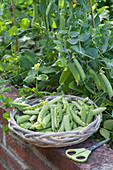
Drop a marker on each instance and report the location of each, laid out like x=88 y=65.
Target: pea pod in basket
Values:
x=49 y=129
x=61 y=114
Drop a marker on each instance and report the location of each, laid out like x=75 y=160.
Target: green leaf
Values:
x=2 y=81
x=24 y=62
x=25 y=23
x=108 y=124
x=6 y=115
x=105 y=45
x=42 y=77
x=73 y=41
x=6 y=128
x=13 y=30
x=78 y=49
x=32 y=72
x=74 y=33
x=8 y=99
x=105 y=133
x=92 y=52
x=73 y=86
x=63 y=60
x=7 y=89
x=2 y=26
x=46 y=70
x=29 y=79
x=84 y=36
x=28 y=59
x=97 y=21
x=2 y=97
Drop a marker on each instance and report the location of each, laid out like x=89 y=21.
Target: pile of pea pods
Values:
x=57 y=115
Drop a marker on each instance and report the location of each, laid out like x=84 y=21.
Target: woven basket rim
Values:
x=52 y=139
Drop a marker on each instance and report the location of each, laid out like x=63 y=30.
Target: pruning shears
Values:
x=81 y=154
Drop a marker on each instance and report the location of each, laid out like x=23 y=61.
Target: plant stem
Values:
x=92 y=15
x=13 y=8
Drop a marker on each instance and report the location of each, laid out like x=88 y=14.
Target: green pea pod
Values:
x=80 y=69
x=107 y=84
x=56 y=99
x=19 y=104
x=74 y=71
x=46 y=120
x=95 y=78
x=74 y=125
x=17 y=116
x=59 y=109
x=77 y=118
x=32 y=118
x=36 y=125
x=64 y=76
x=89 y=116
x=67 y=125
x=26 y=125
x=35 y=11
x=31 y=112
x=61 y=129
x=37 y=106
x=78 y=128
x=23 y=118
x=99 y=110
x=83 y=113
x=68 y=113
x=49 y=8
x=65 y=103
x=56 y=117
x=52 y=119
x=76 y=104
x=42 y=112
x=85 y=100
x=82 y=103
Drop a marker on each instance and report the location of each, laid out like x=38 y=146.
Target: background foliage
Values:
x=51 y=34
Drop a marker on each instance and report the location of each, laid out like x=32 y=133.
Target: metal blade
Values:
x=98 y=144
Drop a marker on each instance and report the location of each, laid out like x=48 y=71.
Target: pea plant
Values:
x=59 y=46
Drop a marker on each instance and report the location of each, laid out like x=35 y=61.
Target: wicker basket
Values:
x=55 y=139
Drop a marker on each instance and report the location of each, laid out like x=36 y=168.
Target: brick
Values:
x=0 y=134
x=26 y=154
x=2 y=120
x=99 y=157
x=58 y=158
x=12 y=164
x=2 y=166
